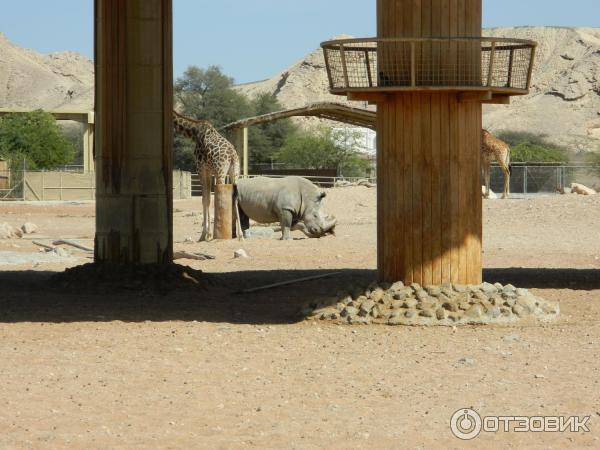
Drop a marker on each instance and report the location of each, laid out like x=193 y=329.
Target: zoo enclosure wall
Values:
x=67 y=185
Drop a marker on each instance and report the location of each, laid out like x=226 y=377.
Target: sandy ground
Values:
x=209 y=368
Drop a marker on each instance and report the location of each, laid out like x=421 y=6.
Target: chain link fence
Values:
x=11 y=185
x=544 y=178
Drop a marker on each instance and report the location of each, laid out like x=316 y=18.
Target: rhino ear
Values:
x=322 y=195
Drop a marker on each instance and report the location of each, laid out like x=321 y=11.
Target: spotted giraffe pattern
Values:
x=214 y=155
x=496 y=149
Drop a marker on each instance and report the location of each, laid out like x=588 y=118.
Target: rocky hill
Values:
x=564 y=102
x=60 y=81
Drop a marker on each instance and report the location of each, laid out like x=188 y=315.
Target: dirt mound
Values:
x=118 y=277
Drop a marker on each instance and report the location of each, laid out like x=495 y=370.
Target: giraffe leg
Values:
x=506 y=173
x=486 y=179
x=206 y=233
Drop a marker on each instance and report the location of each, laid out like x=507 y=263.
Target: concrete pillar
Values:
x=88 y=147
x=429 y=194
x=134 y=198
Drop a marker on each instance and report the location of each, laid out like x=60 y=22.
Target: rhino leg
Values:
x=243 y=221
x=286 y=224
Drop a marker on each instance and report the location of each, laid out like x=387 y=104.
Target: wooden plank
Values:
x=464 y=155
x=392 y=250
x=417 y=197
x=400 y=206
x=406 y=180
x=436 y=189
x=426 y=178
x=407 y=22
x=384 y=196
x=381 y=174
x=475 y=96
x=477 y=223
x=445 y=194
x=372 y=97
x=498 y=100
x=455 y=241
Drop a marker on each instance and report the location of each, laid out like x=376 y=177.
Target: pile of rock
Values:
x=7 y=231
x=448 y=304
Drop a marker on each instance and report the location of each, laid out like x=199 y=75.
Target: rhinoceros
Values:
x=293 y=201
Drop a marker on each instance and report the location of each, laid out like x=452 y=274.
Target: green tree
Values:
x=531 y=147
x=267 y=138
x=325 y=148
x=206 y=94
x=35 y=138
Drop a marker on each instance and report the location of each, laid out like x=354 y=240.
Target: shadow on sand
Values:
x=577 y=279
x=32 y=296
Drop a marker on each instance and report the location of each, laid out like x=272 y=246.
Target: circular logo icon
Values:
x=465 y=424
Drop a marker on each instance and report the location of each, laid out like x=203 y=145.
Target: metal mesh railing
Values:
x=544 y=178
x=496 y=64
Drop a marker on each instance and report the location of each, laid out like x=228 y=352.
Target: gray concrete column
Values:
x=133 y=136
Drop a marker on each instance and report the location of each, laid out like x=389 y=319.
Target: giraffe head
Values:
x=190 y=128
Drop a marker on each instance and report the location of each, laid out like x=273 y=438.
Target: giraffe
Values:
x=215 y=156
x=494 y=148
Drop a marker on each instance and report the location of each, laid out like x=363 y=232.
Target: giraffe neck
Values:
x=194 y=129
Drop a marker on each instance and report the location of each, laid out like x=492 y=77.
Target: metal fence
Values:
x=544 y=178
x=11 y=185
x=322 y=181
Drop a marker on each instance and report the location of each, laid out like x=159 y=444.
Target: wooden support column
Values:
x=245 y=153
x=428 y=161
x=223 y=211
x=240 y=138
x=134 y=103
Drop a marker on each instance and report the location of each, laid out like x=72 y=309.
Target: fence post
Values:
x=524 y=179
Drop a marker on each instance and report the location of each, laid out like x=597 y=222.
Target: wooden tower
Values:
x=428 y=71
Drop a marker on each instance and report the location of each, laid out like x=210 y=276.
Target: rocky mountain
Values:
x=564 y=102
x=59 y=81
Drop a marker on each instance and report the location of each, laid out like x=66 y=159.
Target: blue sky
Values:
x=255 y=39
